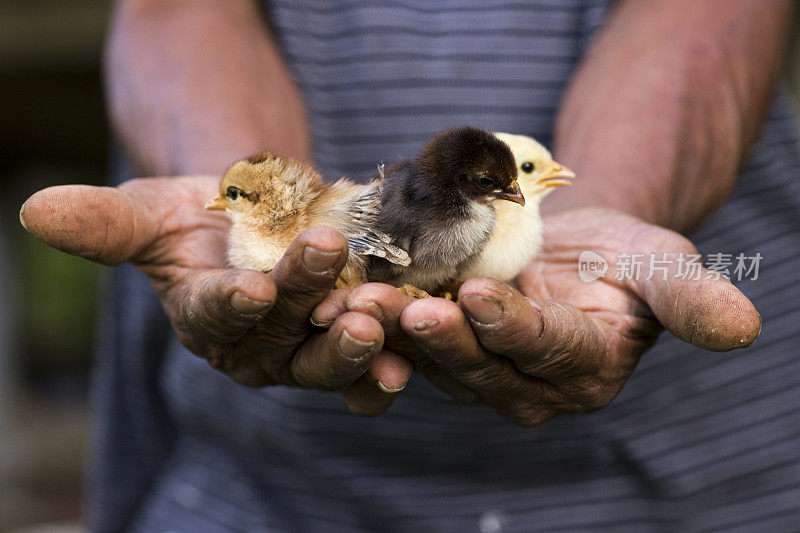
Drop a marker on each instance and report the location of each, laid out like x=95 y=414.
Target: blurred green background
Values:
x=53 y=131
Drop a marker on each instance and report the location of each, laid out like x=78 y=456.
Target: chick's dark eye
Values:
x=233 y=193
x=486 y=183
x=527 y=167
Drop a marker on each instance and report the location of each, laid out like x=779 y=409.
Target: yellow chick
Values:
x=271 y=198
x=517 y=235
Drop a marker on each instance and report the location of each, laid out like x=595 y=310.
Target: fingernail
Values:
x=320 y=323
x=22 y=216
x=483 y=310
x=318 y=261
x=353 y=348
x=389 y=390
x=247 y=306
x=425 y=324
x=371 y=308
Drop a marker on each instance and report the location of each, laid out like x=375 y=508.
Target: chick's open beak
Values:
x=512 y=193
x=557 y=176
x=218 y=203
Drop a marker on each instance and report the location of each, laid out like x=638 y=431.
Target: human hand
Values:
x=556 y=344
x=252 y=326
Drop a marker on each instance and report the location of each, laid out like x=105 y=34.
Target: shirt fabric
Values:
x=696 y=441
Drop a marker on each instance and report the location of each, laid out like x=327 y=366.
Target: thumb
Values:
x=710 y=313
x=102 y=224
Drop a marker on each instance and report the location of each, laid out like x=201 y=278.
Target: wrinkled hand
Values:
x=556 y=344
x=252 y=326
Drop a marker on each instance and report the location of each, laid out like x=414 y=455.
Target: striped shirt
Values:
x=697 y=441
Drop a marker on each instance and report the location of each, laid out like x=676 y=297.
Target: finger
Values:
x=547 y=339
x=219 y=306
x=304 y=277
x=440 y=329
x=375 y=392
x=237 y=364
x=330 y=308
x=339 y=356
x=390 y=371
x=102 y=224
x=710 y=313
x=385 y=304
x=363 y=398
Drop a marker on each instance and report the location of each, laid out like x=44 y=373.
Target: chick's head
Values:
x=267 y=185
x=473 y=162
x=538 y=173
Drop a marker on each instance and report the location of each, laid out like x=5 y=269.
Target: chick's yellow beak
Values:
x=512 y=194
x=218 y=203
x=556 y=176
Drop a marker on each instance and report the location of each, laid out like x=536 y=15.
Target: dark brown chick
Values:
x=438 y=206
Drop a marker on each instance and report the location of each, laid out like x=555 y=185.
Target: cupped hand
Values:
x=252 y=326
x=553 y=343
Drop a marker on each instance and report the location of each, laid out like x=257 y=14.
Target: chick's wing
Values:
x=363 y=236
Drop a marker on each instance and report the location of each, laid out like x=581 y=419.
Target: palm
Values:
x=610 y=303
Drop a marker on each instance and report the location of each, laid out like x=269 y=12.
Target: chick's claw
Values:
x=414 y=292
x=450 y=291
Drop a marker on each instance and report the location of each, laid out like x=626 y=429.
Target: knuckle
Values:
x=299 y=299
x=196 y=318
x=593 y=403
x=548 y=364
x=481 y=374
x=594 y=395
x=528 y=415
x=329 y=373
x=513 y=337
x=569 y=355
x=307 y=374
x=226 y=361
x=282 y=330
x=244 y=371
x=249 y=376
